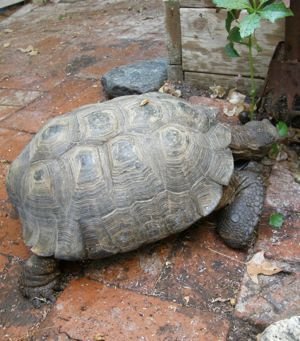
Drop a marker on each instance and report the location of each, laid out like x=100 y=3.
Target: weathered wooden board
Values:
x=205 y=80
x=6 y=3
x=175 y=72
x=203 y=38
x=173 y=31
x=196 y=3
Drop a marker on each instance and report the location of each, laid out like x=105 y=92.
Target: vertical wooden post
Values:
x=173 y=35
x=292 y=33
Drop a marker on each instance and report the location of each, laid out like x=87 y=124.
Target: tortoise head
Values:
x=253 y=140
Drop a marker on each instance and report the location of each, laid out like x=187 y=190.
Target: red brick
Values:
x=11 y=240
x=25 y=120
x=4 y=166
x=6 y=110
x=14 y=97
x=87 y=310
x=31 y=81
x=121 y=55
x=17 y=316
x=12 y=143
x=274 y=298
x=202 y=271
x=67 y=96
x=139 y=270
x=281 y=244
x=3 y=262
x=283 y=192
x=91 y=94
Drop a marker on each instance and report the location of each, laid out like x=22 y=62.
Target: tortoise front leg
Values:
x=237 y=221
x=39 y=278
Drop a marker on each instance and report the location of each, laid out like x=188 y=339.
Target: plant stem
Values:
x=253 y=83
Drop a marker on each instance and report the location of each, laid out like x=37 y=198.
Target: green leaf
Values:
x=275 y=150
x=234 y=35
x=263 y=2
x=232 y=4
x=249 y=24
x=275 y=11
x=229 y=19
x=231 y=51
x=282 y=129
x=276 y=220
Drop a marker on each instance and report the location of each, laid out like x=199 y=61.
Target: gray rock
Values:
x=137 y=78
x=284 y=330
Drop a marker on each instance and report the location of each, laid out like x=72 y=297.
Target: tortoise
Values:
x=112 y=176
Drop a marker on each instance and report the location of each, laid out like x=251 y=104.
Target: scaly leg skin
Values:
x=40 y=277
x=237 y=221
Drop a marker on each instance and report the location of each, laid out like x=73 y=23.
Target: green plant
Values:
x=276 y=148
x=282 y=129
x=241 y=29
x=276 y=220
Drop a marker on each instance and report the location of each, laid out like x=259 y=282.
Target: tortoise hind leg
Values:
x=237 y=221
x=39 y=278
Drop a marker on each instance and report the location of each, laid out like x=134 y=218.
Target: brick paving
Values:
x=276 y=297
x=187 y=287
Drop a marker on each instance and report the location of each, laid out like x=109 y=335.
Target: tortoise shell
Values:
x=109 y=177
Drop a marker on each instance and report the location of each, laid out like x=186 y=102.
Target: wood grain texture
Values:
x=205 y=80
x=173 y=31
x=204 y=38
x=196 y=3
x=175 y=72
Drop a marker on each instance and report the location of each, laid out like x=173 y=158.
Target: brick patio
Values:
x=187 y=287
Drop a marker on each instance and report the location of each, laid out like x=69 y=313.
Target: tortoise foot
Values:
x=39 y=280
x=237 y=221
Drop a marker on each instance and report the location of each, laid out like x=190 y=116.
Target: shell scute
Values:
x=54 y=139
x=99 y=123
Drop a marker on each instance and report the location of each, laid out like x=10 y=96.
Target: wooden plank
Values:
x=6 y=3
x=175 y=73
x=196 y=3
x=204 y=37
x=173 y=31
x=205 y=80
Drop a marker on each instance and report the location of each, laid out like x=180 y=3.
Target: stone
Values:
x=137 y=78
x=284 y=330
